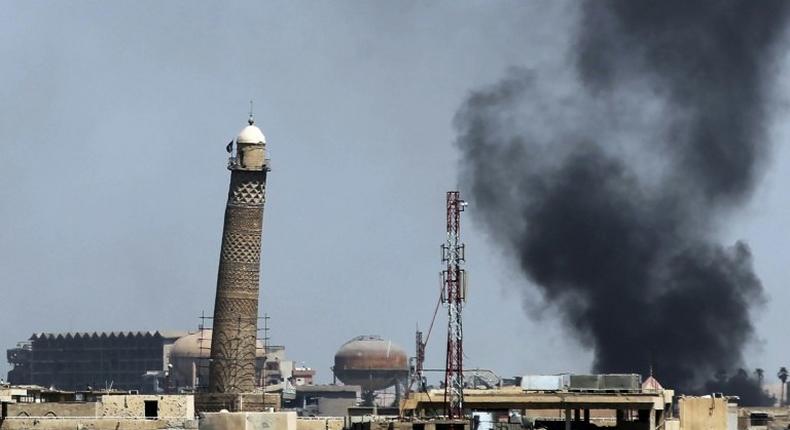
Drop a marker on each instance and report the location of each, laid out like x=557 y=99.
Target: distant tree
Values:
x=760 y=374
x=782 y=375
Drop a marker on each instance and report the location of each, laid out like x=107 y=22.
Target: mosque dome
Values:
x=192 y=352
x=195 y=345
x=251 y=134
x=198 y=345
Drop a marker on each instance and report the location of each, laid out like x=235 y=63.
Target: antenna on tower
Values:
x=453 y=280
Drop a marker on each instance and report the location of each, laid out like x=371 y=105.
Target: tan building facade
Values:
x=111 y=412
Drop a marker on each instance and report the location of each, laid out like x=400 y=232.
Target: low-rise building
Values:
x=325 y=400
x=302 y=376
x=83 y=361
x=25 y=407
x=146 y=362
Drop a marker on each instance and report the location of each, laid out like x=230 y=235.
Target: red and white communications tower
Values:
x=453 y=280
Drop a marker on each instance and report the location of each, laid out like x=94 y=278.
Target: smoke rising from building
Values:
x=610 y=189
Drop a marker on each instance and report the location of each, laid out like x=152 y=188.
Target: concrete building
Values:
x=279 y=368
x=302 y=376
x=26 y=407
x=553 y=410
x=76 y=361
x=325 y=400
x=557 y=402
x=705 y=413
x=267 y=420
x=763 y=418
x=147 y=362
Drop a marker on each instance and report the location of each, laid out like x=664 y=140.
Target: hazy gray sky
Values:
x=113 y=123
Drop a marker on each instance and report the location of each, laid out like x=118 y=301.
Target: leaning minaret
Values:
x=235 y=324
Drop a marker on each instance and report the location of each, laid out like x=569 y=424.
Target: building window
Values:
x=151 y=409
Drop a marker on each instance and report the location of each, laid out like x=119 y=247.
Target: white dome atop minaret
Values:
x=251 y=134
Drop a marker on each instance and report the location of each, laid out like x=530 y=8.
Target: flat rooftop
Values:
x=516 y=398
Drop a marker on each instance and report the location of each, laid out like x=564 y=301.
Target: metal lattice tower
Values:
x=453 y=280
x=419 y=361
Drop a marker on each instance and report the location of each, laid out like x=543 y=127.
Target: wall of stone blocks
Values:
x=703 y=413
x=328 y=407
x=318 y=423
x=248 y=421
x=77 y=409
x=94 y=424
x=170 y=406
x=112 y=413
x=235 y=402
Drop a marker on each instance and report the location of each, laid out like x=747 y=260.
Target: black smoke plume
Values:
x=609 y=186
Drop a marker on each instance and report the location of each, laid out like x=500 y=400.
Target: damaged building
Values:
x=139 y=361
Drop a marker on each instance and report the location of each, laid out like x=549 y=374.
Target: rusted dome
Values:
x=371 y=362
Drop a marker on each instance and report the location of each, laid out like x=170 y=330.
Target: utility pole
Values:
x=453 y=280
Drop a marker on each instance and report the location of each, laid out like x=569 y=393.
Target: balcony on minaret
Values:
x=252 y=159
x=250 y=150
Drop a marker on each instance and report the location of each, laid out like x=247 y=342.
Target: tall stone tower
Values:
x=235 y=324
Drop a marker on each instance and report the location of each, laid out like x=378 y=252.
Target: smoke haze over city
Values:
x=616 y=166
x=611 y=195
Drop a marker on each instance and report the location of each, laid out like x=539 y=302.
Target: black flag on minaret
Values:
x=229 y=148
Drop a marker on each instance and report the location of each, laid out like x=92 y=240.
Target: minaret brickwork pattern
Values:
x=235 y=323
